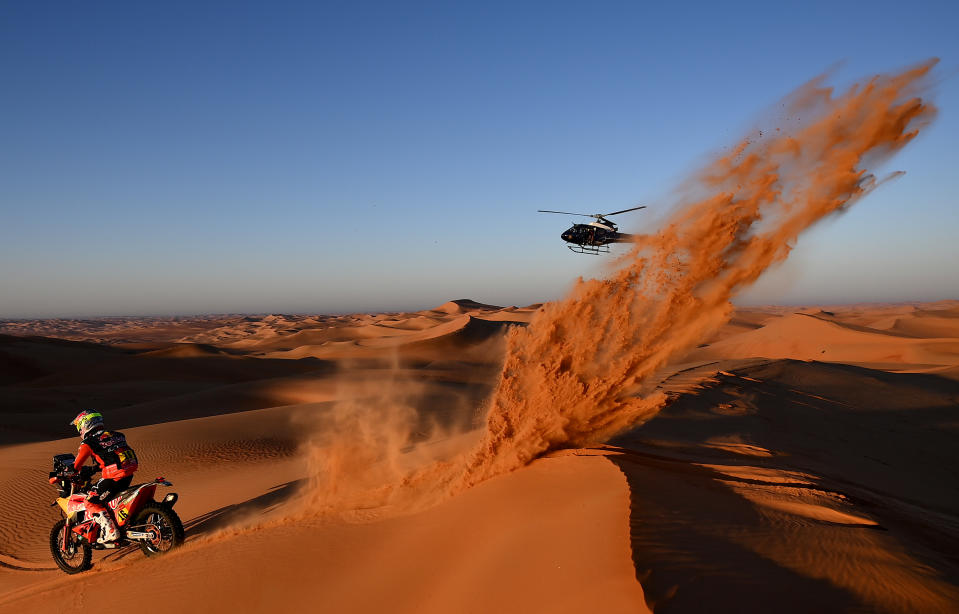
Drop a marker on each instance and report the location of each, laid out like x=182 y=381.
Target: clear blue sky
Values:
x=194 y=157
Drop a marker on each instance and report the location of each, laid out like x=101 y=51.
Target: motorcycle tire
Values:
x=169 y=525
x=71 y=562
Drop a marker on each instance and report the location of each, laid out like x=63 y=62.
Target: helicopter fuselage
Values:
x=593 y=235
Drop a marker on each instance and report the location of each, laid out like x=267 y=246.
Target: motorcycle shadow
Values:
x=234 y=514
x=227 y=516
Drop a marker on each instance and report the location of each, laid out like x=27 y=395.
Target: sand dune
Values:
x=463 y=336
x=27 y=358
x=464 y=305
x=805 y=454
x=811 y=337
x=186 y=350
x=927 y=325
x=416 y=322
x=510 y=314
x=517 y=544
x=831 y=483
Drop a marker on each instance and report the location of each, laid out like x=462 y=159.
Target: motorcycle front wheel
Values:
x=77 y=555
x=166 y=523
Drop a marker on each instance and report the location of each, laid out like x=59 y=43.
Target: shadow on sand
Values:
x=689 y=539
x=233 y=514
x=884 y=442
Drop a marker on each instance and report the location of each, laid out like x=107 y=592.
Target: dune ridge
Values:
x=808 y=337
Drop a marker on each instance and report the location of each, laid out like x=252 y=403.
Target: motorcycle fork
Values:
x=66 y=526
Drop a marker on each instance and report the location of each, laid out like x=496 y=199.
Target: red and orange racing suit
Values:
x=117 y=462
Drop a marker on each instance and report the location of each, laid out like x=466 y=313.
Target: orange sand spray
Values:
x=582 y=371
x=585 y=369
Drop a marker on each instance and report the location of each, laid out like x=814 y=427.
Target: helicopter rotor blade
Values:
x=565 y=213
x=625 y=210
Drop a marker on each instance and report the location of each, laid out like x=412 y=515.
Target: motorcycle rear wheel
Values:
x=78 y=556
x=166 y=521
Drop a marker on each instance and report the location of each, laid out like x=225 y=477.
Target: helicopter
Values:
x=595 y=237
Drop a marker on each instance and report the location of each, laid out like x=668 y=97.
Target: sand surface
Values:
x=807 y=462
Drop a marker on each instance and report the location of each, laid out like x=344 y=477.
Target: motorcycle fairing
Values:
x=72 y=505
x=130 y=500
x=88 y=530
x=123 y=505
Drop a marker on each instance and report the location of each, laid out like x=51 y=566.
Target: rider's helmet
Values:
x=86 y=421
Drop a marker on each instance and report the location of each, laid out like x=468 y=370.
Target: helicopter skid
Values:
x=589 y=249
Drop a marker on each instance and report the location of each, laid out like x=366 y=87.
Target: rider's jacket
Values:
x=110 y=449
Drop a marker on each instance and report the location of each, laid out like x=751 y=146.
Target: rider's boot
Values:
x=108 y=528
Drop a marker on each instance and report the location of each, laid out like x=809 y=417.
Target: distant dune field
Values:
x=806 y=462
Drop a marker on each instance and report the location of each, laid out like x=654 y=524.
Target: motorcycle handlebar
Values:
x=83 y=475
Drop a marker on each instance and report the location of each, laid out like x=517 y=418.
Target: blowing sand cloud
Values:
x=579 y=373
x=584 y=368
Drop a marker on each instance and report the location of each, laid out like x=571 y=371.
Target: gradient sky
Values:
x=185 y=157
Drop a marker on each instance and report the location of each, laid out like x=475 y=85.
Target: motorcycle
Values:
x=140 y=519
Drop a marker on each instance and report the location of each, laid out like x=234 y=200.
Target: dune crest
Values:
x=464 y=305
x=810 y=337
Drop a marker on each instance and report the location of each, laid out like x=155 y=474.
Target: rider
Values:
x=117 y=463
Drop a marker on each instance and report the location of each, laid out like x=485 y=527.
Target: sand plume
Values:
x=364 y=451
x=581 y=371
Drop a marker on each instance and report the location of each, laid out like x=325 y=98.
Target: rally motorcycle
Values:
x=140 y=519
